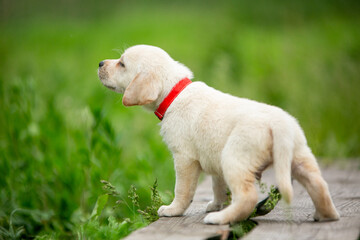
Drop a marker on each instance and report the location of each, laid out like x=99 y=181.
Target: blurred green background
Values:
x=62 y=131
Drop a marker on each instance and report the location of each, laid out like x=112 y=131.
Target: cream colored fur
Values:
x=232 y=139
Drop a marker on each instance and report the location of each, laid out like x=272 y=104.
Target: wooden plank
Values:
x=281 y=223
x=189 y=227
x=298 y=222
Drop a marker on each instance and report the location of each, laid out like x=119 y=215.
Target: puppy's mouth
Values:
x=110 y=87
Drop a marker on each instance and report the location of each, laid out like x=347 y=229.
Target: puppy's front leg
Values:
x=187 y=174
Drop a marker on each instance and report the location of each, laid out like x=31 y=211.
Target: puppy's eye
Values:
x=121 y=64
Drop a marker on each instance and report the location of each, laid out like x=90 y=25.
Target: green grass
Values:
x=62 y=131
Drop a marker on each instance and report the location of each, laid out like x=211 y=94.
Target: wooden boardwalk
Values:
x=281 y=223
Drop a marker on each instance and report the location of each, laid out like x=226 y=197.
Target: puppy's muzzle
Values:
x=101 y=64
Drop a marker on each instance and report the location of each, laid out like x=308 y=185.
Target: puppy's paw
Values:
x=215 y=218
x=213 y=206
x=333 y=216
x=170 y=211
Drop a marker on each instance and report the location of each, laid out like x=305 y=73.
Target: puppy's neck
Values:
x=168 y=86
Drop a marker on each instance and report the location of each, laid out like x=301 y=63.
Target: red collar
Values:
x=175 y=91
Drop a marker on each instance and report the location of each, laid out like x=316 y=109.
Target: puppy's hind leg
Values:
x=220 y=196
x=242 y=186
x=244 y=198
x=306 y=171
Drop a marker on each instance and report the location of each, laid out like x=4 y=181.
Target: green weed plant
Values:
x=265 y=206
x=61 y=131
x=96 y=227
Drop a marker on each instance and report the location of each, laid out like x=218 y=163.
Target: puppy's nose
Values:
x=101 y=63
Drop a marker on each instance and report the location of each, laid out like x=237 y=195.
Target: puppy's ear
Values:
x=143 y=89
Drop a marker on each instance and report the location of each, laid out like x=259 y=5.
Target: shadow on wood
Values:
x=282 y=223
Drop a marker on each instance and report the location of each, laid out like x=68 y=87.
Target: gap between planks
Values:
x=281 y=223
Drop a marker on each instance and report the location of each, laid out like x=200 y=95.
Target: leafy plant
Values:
x=150 y=212
x=269 y=203
x=273 y=199
x=111 y=228
x=61 y=131
x=240 y=229
x=13 y=232
x=95 y=228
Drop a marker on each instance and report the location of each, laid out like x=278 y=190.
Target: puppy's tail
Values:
x=283 y=148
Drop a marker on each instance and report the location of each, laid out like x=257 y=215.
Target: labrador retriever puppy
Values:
x=232 y=139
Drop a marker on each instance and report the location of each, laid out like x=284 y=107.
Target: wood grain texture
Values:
x=190 y=226
x=297 y=222
x=284 y=222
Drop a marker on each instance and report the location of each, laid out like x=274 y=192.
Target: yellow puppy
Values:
x=232 y=139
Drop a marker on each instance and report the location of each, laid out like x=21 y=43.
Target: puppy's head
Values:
x=143 y=74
